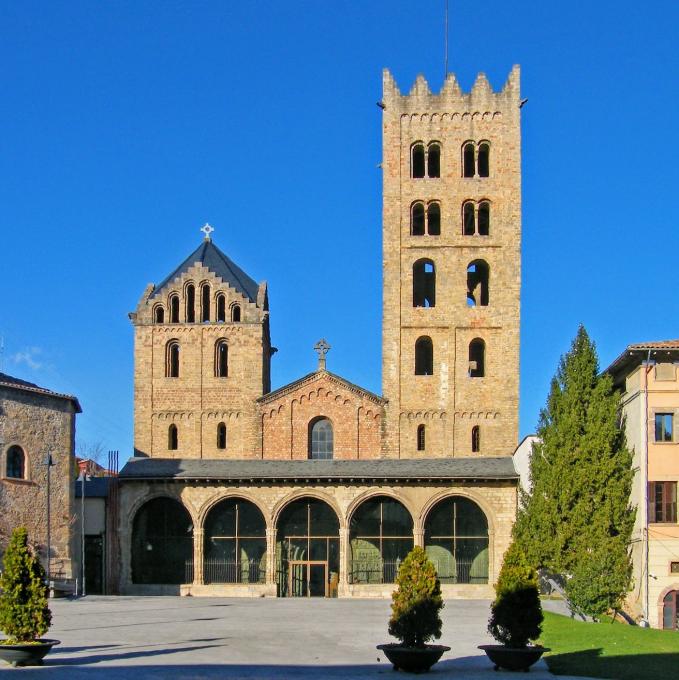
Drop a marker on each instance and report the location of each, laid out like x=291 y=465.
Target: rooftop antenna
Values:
x=445 y=72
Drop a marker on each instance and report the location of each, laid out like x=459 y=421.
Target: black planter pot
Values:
x=513 y=658
x=26 y=655
x=413 y=659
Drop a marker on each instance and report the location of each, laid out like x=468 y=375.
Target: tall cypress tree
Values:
x=578 y=509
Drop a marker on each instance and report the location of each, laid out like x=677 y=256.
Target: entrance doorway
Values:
x=670 y=611
x=308 y=579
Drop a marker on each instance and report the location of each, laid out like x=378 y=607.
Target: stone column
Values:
x=271 y=557
x=198 y=544
x=344 y=562
x=418 y=537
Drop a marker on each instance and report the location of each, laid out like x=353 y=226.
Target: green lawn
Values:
x=609 y=650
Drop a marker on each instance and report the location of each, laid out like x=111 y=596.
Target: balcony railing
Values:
x=228 y=571
x=378 y=571
x=450 y=571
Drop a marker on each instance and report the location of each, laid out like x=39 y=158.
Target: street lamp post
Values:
x=50 y=464
x=82 y=479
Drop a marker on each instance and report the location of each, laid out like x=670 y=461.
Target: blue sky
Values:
x=127 y=125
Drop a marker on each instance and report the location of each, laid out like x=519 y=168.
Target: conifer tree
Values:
x=581 y=475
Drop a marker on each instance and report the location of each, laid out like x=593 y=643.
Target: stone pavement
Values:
x=195 y=638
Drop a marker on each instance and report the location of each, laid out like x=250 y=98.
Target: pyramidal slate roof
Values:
x=208 y=255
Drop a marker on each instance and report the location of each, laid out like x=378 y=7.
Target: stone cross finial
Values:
x=322 y=348
x=207 y=230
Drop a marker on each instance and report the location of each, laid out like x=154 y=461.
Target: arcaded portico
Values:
x=311 y=528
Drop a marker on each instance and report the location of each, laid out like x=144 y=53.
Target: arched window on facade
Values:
x=221 y=359
x=434 y=160
x=468 y=169
x=417 y=219
x=190 y=303
x=483 y=161
x=205 y=302
x=172 y=359
x=477 y=283
x=424 y=356
x=483 y=218
x=16 y=463
x=476 y=439
x=417 y=160
x=221 y=436
x=221 y=308
x=172 y=438
x=174 y=308
x=235 y=313
x=477 y=358
x=421 y=438
x=321 y=443
x=159 y=314
x=424 y=284
x=434 y=219
x=468 y=219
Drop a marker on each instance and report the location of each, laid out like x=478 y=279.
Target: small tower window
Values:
x=417 y=219
x=235 y=313
x=417 y=160
x=190 y=303
x=477 y=358
x=476 y=439
x=434 y=160
x=159 y=314
x=172 y=438
x=424 y=284
x=468 y=160
x=172 y=359
x=16 y=463
x=205 y=302
x=320 y=439
x=221 y=436
x=424 y=356
x=484 y=159
x=434 y=219
x=221 y=308
x=221 y=359
x=421 y=438
x=477 y=283
x=174 y=309
x=484 y=218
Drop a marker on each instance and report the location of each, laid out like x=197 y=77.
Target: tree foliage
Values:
x=581 y=476
x=24 y=614
x=416 y=602
x=516 y=613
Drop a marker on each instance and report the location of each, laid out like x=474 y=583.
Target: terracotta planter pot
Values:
x=513 y=658
x=413 y=659
x=26 y=655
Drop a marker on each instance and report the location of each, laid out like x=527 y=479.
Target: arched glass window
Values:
x=477 y=358
x=468 y=160
x=221 y=436
x=190 y=303
x=16 y=463
x=417 y=160
x=424 y=284
x=172 y=359
x=484 y=159
x=434 y=219
x=221 y=308
x=159 y=314
x=380 y=536
x=235 y=543
x=235 y=313
x=421 y=438
x=162 y=543
x=477 y=283
x=174 y=309
x=456 y=541
x=434 y=160
x=670 y=611
x=172 y=438
x=468 y=219
x=221 y=359
x=417 y=219
x=205 y=302
x=476 y=439
x=424 y=356
x=320 y=439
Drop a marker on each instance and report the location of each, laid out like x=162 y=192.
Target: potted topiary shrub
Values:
x=516 y=615
x=24 y=614
x=415 y=615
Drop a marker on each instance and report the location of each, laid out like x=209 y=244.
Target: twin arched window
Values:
x=16 y=463
x=172 y=359
x=477 y=358
x=478 y=275
x=428 y=160
x=172 y=438
x=221 y=359
x=425 y=222
x=424 y=283
x=476 y=159
x=424 y=356
x=476 y=218
x=320 y=439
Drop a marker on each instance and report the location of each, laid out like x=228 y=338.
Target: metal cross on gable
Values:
x=207 y=230
x=322 y=348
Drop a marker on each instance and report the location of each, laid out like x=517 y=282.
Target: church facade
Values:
x=320 y=487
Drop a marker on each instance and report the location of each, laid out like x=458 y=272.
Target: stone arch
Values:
x=372 y=493
x=661 y=604
x=280 y=505
x=486 y=508
x=215 y=500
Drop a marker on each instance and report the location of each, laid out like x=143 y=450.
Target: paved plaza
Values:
x=163 y=637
